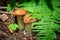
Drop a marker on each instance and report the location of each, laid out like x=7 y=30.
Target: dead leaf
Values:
x=3 y=17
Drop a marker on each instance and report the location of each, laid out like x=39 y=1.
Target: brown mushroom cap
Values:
x=19 y=12
x=28 y=19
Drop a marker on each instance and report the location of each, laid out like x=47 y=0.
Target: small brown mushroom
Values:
x=28 y=23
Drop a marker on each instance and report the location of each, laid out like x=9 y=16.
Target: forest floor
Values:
x=5 y=34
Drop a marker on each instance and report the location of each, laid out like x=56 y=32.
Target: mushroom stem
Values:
x=20 y=22
x=28 y=28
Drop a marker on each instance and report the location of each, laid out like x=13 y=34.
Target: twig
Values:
x=5 y=12
x=3 y=7
x=7 y=27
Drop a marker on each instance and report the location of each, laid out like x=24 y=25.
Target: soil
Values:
x=5 y=34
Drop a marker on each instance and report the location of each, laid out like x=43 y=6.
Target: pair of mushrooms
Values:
x=26 y=17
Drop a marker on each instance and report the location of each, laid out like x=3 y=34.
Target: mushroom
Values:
x=19 y=15
x=24 y=21
x=28 y=23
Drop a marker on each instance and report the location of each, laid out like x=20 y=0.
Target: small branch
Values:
x=5 y=12
x=3 y=7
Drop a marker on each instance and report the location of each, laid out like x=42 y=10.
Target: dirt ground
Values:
x=5 y=34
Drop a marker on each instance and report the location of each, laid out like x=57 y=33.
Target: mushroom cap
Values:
x=19 y=12
x=28 y=19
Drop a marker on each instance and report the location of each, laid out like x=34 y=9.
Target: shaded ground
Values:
x=5 y=34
